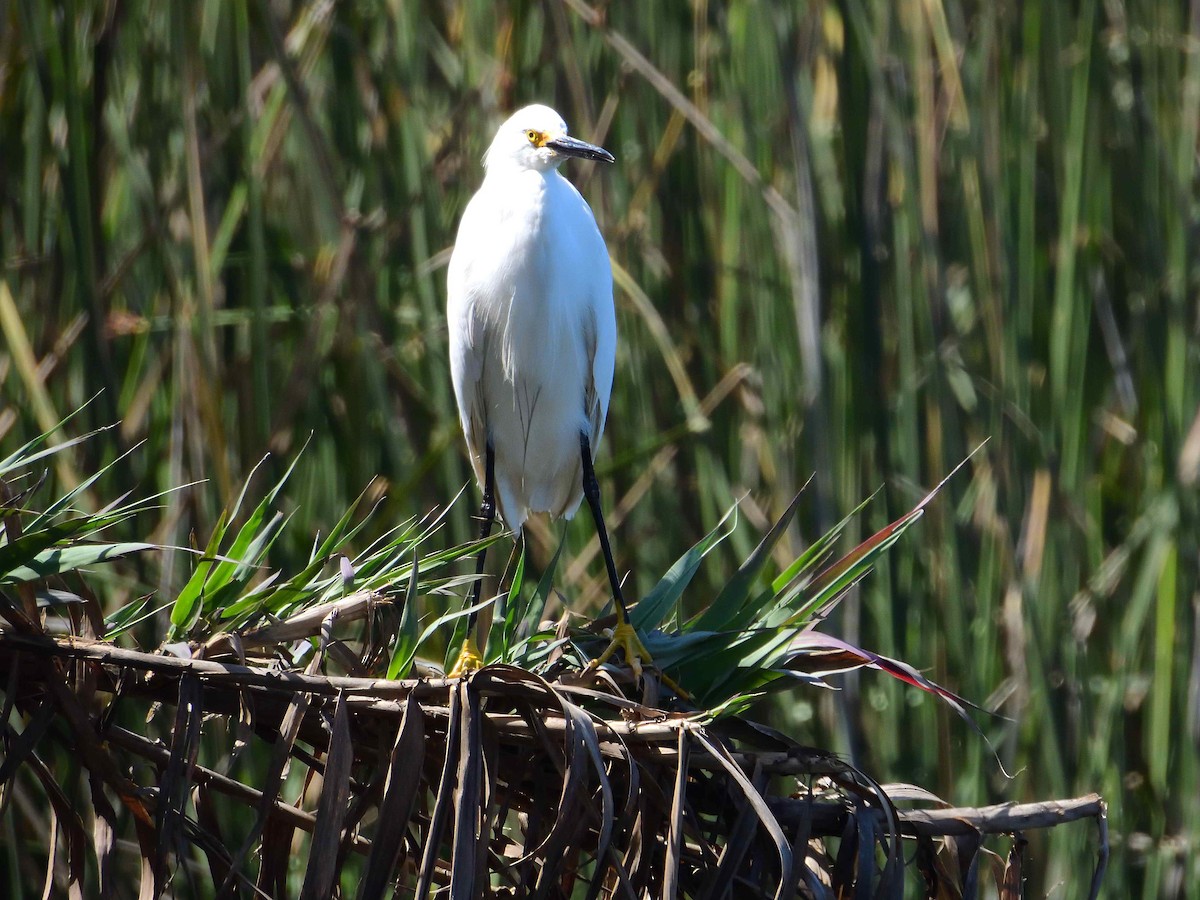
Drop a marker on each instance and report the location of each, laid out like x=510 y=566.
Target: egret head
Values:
x=536 y=138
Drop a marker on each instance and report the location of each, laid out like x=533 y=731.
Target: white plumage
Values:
x=533 y=332
x=533 y=341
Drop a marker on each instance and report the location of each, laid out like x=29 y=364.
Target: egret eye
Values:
x=532 y=135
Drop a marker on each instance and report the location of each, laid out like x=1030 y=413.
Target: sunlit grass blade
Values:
x=817 y=551
x=729 y=609
x=509 y=612
x=130 y=616
x=830 y=585
x=186 y=609
x=654 y=607
x=33 y=450
x=63 y=503
x=405 y=648
x=60 y=560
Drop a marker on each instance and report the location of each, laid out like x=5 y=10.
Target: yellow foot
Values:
x=626 y=639
x=468 y=660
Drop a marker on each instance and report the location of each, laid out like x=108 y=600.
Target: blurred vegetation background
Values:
x=852 y=240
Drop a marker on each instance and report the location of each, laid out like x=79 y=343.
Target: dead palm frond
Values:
x=534 y=779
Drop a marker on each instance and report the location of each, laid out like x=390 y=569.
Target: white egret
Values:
x=533 y=339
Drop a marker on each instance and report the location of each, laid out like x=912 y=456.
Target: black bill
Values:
x=569 y=146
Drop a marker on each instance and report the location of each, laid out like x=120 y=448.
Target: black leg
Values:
x=591 y=491
x=487 y=515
